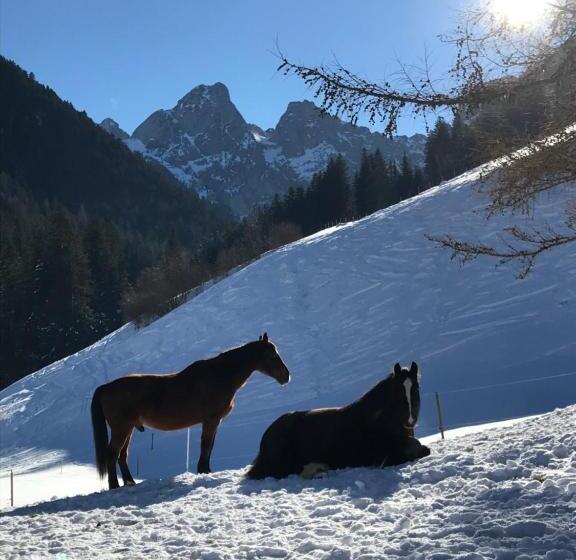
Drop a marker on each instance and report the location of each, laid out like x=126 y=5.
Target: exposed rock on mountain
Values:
x=206 y=143
x=111 y=126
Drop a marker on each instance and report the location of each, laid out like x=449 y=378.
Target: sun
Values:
x=520 y=13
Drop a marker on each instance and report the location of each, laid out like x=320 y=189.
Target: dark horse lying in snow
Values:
x=375 y=430
x=201 y=393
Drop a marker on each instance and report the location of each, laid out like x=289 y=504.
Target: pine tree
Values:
x=405 y=182
x=61 y=298
x=386 y=191
x=363 y=185
x=106 y=259
x=438 y=144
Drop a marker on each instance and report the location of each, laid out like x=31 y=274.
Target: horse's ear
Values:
x=265 y=337
x=397 y=369
x=414 y=368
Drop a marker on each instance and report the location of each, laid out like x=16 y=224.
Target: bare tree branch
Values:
x=498 y=72
x=531 y=245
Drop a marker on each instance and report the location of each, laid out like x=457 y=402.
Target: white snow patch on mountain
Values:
x=312 y=160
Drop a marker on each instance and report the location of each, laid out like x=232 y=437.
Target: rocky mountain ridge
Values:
x=207 y=144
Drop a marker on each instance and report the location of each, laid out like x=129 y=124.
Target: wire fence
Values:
x=441 y=409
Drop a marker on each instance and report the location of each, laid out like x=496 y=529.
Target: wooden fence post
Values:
x=440 y=418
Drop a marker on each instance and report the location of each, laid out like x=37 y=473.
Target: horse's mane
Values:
x=224 y=358
x=374 y=396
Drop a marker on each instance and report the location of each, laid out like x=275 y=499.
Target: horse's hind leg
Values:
x=118 y=438
x=123 y=462
x=209 y=429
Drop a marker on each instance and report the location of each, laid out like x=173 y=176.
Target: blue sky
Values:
x=127 y=58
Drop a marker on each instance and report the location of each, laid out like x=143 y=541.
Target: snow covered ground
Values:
x=504 y=493
x=342 y=306
x=40 y=484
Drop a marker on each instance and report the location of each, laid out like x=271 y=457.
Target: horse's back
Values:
x=137 y=385
x=130 y=398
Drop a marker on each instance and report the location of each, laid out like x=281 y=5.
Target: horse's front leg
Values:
x=405 y=449
x=209 y=429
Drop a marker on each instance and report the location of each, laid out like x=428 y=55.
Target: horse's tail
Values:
x=100 y=432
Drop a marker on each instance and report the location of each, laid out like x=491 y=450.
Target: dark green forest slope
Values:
x=80 y=217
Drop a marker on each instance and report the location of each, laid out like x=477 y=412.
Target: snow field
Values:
x=342 y=306
x=36 y=482
x=503 y=493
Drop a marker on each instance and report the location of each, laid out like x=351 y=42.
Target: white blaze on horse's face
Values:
x=408 y=388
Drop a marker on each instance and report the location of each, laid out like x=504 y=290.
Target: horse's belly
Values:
x=170 y=422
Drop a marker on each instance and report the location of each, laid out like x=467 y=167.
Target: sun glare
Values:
x=520 y=13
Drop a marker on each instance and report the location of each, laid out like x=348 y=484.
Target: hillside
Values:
x=81 y=217
x=501 y=493
x=206 y=143
x=342 y=306
x=60 y=155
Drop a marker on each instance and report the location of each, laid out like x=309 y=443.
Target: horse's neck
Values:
x=230 y=370
x=237 y=365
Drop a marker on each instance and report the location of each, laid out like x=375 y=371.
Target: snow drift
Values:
x=342 y=306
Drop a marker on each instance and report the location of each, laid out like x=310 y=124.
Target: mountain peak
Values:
x=112 y=127
x=304 y=108
x=202 y=94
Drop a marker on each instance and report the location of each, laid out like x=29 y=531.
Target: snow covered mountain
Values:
x=342 y=305
x=206 y=143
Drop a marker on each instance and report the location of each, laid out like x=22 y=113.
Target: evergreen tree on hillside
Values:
x=364 y=187
x=386 y=189
x=373 y=185
x=438 y=144
x=406 y=185
x=331 y=193
x=62 y=289
x=450 y=150
x=107 y=262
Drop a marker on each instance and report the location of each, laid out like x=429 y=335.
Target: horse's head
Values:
x=406 y=395
x=270 y=361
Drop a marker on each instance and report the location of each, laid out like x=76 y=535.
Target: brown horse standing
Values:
x=201 y=393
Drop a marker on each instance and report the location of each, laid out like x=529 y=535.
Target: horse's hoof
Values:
x=129 y=483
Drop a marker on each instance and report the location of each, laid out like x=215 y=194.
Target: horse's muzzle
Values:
x=284 y=378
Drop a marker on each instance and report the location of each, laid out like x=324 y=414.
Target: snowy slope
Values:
x=342 y=306
x=504 y=493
